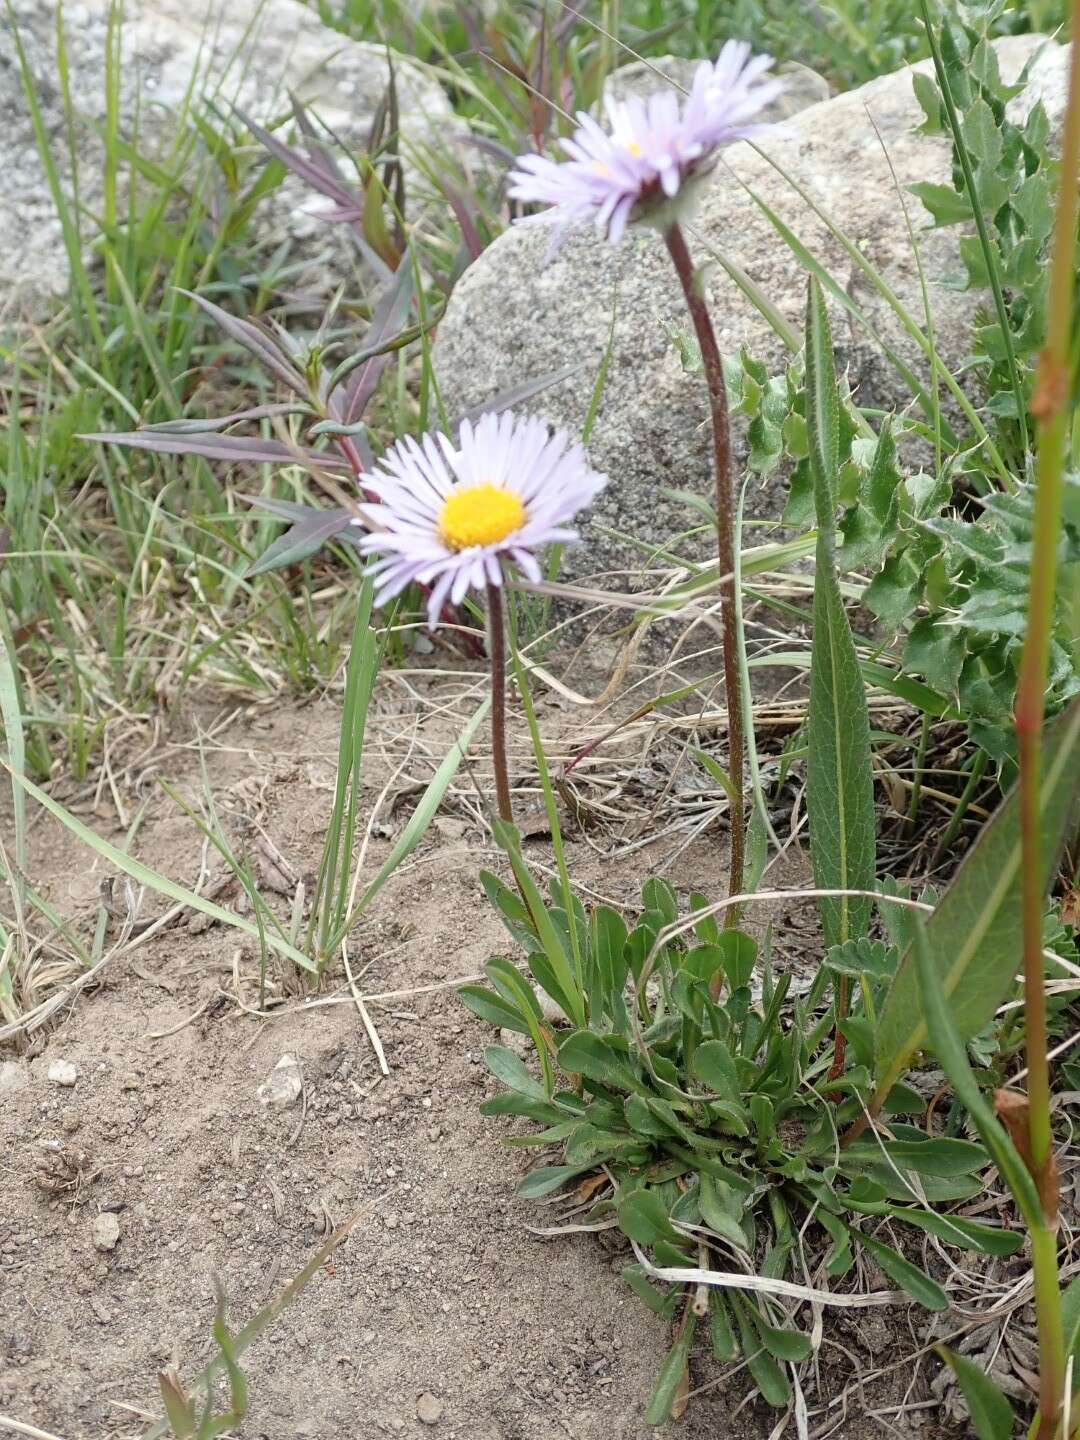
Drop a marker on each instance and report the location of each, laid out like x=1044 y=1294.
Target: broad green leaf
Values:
x=946 y=207
x=767 y=1375
x=738 y=953
x=974 y=934
x=724 y=1344
x=714 y=1067
x=672 y=1374
x=515 y=990
x=660 y=1302
x=839 y=770
x=947 y=1045
x=492 y=1007
x=607 y=942
x=591 y=1055
x=510 y=1069
x=909 y=1277
x=644 y=1218
x=989 y=1407
x=791 y=1346
x=956 y=1230
x=554 y=950
x=932 y=1156
x=550 y=1178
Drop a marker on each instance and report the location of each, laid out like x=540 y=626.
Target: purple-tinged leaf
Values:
x=383 y=351
x=373 y=259
x=384 y=123
x=196 y=427
x=302 y=540
x=321 y=174
x=502 y=153
x=348 y=400
x=257 y=341
x=318 y=151
x=516 y=395
x=284 y=509
x=234 y=448
x=460 y=204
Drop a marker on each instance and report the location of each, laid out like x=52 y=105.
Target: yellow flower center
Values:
x=480 y=515
x=635 y=149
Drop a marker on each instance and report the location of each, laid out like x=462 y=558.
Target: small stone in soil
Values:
x=105 y=1231
x=429 y=1409
x=63 y=1072
x=11 y=1076
x=283 y=1085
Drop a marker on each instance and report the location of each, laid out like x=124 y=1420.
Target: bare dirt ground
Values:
x=441 y=1314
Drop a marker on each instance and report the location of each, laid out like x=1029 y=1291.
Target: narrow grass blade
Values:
x=414 y=831
x=265 y=1317
x=11 y=719
x=152 y=880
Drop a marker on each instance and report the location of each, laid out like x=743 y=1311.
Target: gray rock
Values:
x=12 y=1076
x=249 y=52
x=63 y=1072
x=283 y=1085
x=803 y=86
x=513 y=318
x=105 y=1231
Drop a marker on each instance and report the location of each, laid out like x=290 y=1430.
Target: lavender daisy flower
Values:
x=653 y=150
x=452 y=517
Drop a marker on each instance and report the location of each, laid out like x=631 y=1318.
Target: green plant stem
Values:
x=916 y=783
x=1044 y=1274
x=497 y=655
x=989 y=253
x=975 y=775
x=725 y=543
x=1050 y=407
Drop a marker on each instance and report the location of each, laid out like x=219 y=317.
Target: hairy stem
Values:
x=725 y=544
x=497 y=655
x=1050 y=407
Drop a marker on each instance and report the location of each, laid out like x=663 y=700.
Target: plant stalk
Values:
x=725 y=544
x=497 y=655
x=1050 y=408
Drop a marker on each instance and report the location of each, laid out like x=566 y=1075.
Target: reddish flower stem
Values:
x=725 y=544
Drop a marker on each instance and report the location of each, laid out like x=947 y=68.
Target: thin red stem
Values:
x=725 y=542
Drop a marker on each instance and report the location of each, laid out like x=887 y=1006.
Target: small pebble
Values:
x=429 y=1409
x=11 y=1076
x=105 y=1231
x=70 y=1120
x=63 y=1072
x=283 y=1085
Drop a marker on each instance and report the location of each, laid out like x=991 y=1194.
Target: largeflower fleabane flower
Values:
x=653 y=148
x=451 y=517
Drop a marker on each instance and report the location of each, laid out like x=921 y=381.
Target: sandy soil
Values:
x=441 y=1314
